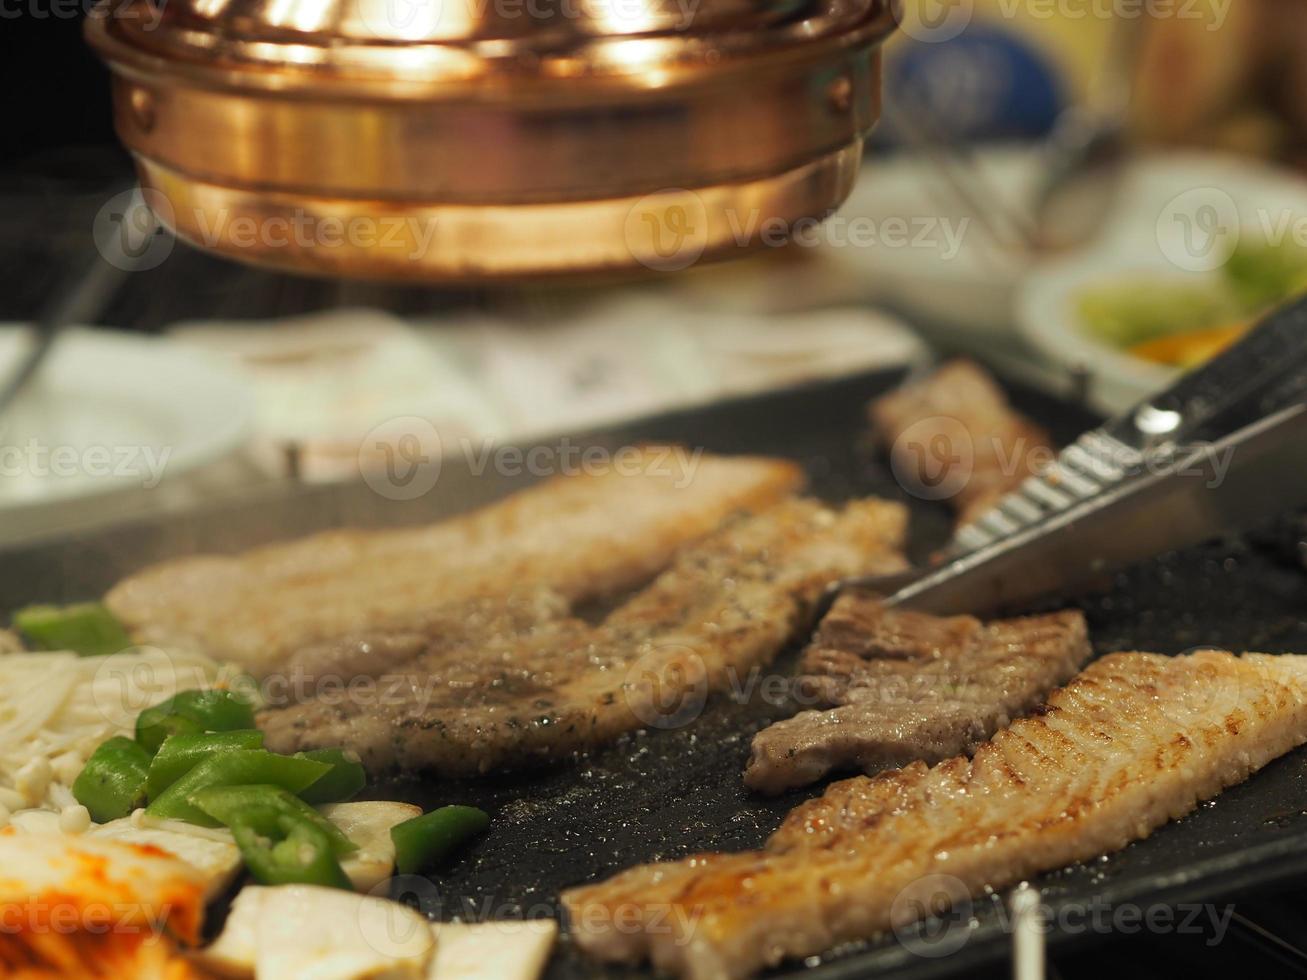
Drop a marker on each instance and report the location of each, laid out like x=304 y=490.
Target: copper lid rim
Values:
x=393 y=150
x=672 y=63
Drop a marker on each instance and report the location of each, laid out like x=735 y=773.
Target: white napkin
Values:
x=325 y=381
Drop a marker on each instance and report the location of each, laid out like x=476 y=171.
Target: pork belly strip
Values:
x=955 y=431
x=1134 y=741
x=581 y=536
x=902 y=686
x=487 y=684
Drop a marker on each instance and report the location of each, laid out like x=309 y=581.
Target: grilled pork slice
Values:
x=955 y=434
x=583 y=536
x=487 y=684
x=904 y=686
x=1134 y=741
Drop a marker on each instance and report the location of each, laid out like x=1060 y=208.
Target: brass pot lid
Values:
x=497 y=126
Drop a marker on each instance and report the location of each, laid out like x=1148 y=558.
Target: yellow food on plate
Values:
x=1190 y=349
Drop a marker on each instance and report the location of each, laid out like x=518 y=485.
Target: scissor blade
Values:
x=1227 y=486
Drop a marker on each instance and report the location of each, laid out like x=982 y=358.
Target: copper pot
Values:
x=463 y=140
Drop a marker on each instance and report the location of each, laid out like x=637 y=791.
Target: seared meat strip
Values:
x=899 y=686
x=582 y=536
x=1134 y=741
x=955 y=433
x=905 y=686
x=486 y=684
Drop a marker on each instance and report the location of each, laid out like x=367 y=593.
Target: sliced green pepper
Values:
x=342 y=783
x=192 y=712
x=425 y=841
x=112 y=783
x=281 y=850
x=179 y=754
x=228 y=804
x=88 y=629
x=236 y=768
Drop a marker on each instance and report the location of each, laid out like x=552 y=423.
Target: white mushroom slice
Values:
x=368 y=825
x=313 y=933
x=511 y=950
x=235 y=952
x=217 y=858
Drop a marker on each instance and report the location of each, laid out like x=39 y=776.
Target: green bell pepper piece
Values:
x=425 y=841
x=113 y=782
x=281 y=850
x=235 y=768
x=192 y=712
x=88 y=629
x=342 y=783
x=179 y=754
x=228 y=804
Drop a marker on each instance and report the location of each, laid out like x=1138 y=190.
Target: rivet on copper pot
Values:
x=840 y=94
x=141 y=102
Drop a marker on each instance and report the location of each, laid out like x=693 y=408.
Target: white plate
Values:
x=1144 y=242
x=112 y=412
x=1047 y=311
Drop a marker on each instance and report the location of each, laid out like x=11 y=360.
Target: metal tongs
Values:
x=1222 y=451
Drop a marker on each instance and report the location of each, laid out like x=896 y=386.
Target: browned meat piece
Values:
x=904 y=686
x=955 y=435
x=1134 y=741
x=583 y=536
x=485 y=684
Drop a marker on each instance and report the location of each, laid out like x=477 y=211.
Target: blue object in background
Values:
x=985 y=84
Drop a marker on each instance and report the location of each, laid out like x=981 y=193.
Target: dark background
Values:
x=60 y=163
x=56 y=91
x=58 y=157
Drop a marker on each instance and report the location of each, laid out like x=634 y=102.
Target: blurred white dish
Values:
x=1047 y=311
x=111 y=412
x=910 y=245
x=1179 y=219
x=640 y=355
x=324 y=384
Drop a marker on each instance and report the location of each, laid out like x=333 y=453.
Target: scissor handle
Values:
x=1259 y=375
